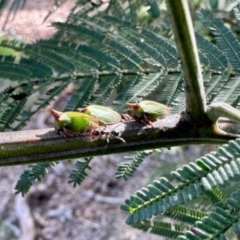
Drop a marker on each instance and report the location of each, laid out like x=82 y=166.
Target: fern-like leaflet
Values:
x=78 y=174
x=217 y=198
x=211 y=226
x=164 y=229
x=214 y=169
x=127 y=169
x=35 y=173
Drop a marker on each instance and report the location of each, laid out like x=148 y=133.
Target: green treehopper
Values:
x=147 y=111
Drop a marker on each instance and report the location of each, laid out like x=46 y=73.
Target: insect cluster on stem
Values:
x=97 y=121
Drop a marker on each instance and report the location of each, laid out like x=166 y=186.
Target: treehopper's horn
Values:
x=56 y=114
x=81 y=110
x=132 y=105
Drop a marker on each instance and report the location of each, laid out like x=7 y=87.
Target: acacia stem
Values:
x=187 y=48
x=45 y=145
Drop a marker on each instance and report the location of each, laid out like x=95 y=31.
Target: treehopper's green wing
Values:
x=105 y=115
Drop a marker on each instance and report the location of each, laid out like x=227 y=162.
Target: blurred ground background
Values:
x=26 y=18
x=54 y=209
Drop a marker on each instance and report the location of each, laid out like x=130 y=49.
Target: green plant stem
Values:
x=186 y=44
x=34 y=146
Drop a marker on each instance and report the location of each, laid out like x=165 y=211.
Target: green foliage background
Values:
x=124 y=54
